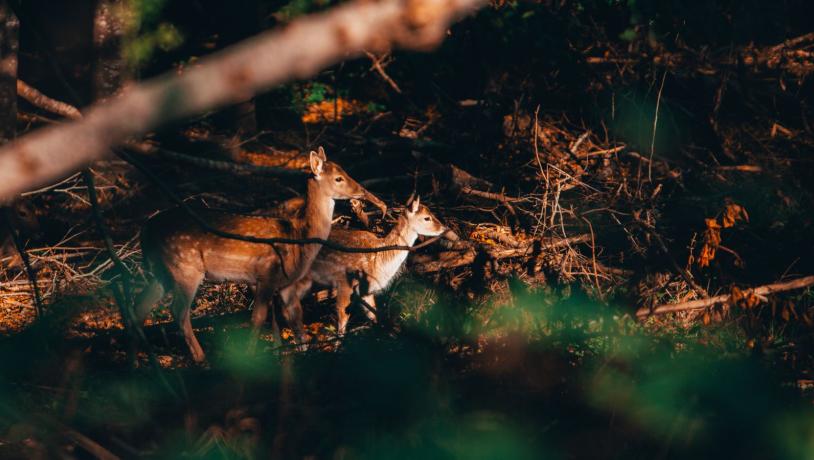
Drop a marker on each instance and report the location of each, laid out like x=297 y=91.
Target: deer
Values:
x=179 y=254
x=340 y=270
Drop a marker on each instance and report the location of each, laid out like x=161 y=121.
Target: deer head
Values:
x=421 y=220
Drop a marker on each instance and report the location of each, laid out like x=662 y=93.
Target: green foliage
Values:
x=690 y=388
x=375 y=107
x=316 y=92
x=237 y=357
x=146 y=32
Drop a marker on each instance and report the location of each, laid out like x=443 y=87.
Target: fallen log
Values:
x=424 y=264
x=767 y=289
x=428 y=263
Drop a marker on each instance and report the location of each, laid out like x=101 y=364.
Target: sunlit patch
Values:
x=331 y=110
x=16 y=312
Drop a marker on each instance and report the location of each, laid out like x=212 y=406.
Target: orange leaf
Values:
x=733 y=213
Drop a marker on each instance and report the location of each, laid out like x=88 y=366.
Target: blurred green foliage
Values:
x=146 y=31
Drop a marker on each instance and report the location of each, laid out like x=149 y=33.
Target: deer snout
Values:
x=373 y=199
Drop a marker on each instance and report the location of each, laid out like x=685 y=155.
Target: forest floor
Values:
x=516 y=351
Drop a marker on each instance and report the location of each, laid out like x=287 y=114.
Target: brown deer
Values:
x=336 y=268
x=180 y=254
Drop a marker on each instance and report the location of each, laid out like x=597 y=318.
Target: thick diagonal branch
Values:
x=297 y=51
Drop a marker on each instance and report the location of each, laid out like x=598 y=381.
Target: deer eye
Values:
x=427 y=219
x=339 y=179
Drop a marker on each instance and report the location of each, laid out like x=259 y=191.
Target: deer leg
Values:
x=292 y=312
x=292 y=307
x=264 y=295
x=183 y=296
x=146 y=300
x=369 y=306
x=260 y=312
x=343 y=295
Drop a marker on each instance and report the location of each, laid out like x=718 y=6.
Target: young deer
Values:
x=331 y=268
x=180 y=255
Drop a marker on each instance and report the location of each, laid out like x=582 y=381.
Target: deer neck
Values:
x=402 y=234
x=319 y=210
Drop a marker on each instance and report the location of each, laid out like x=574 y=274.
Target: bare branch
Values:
x=379 y=67
x=767 y=289
x=39 y=100
x=5 y=215
x=233 y=75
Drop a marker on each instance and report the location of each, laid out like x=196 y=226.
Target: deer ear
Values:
x=410 y=199
x=415 y=204
x=316 y=163
x=321 y=153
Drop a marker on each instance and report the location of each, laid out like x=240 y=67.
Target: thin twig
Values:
x=30 y=271
x=655 y=125
x=378 y=67
x=44 y=102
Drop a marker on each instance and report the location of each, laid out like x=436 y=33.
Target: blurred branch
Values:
x=233 y=75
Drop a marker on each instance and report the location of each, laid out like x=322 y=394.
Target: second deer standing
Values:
x=179 y=254
x=378 y=269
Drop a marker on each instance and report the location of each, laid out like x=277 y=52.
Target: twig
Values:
x=655 y=125
x=29 y=269
x=741 y=168
x=593 y=256
x=122 y=296
x=91 y=446
x=378 y=67
x=768 y=289
x=46 y=103
x=489 y=195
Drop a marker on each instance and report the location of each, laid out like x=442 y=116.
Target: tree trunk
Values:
x=9 y=28
x=110 y=70
x=56 y=48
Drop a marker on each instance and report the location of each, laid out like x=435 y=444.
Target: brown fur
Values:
x=180 y=254
x=378 y=269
